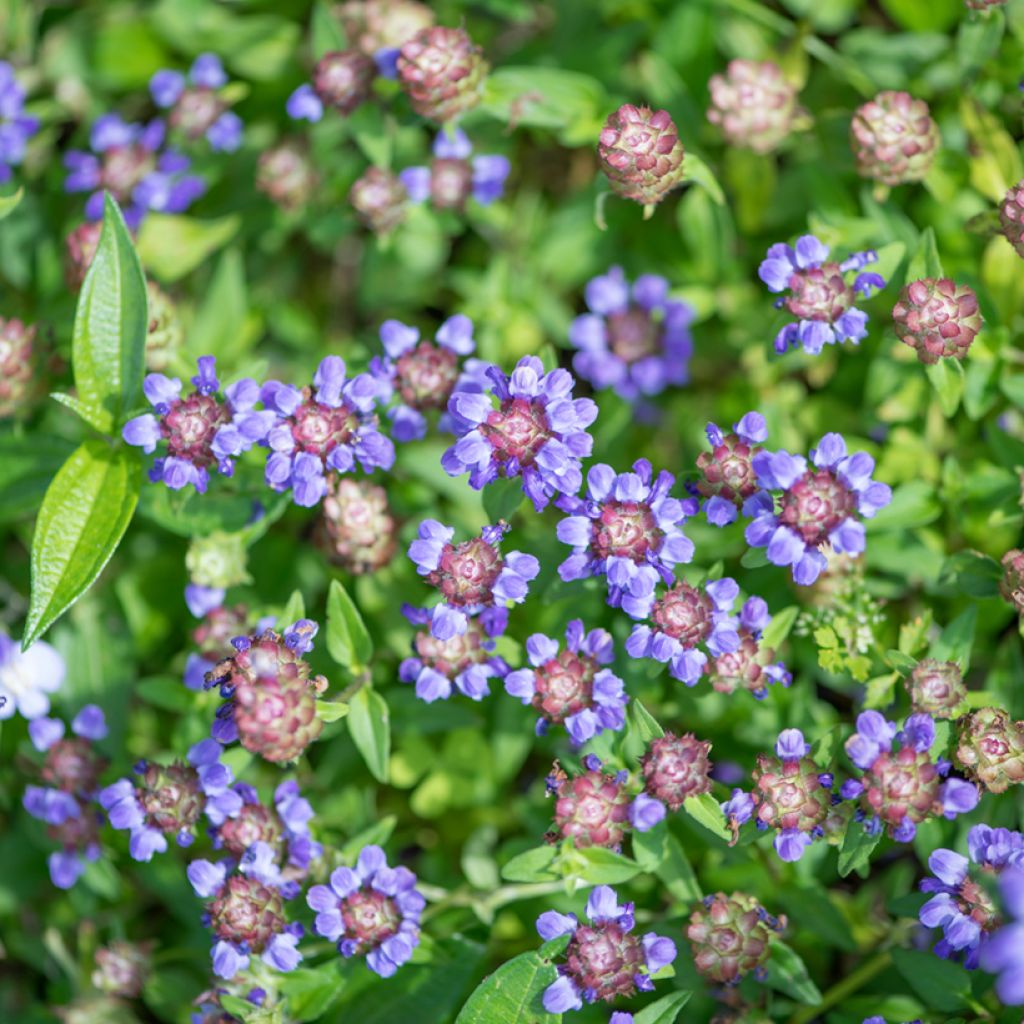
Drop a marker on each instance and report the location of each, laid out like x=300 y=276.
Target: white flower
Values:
x=27 y=678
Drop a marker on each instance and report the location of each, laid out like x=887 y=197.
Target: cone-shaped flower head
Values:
x=359 y=532
x=627 y=528
x=604 y=959
x=198 y=104
x=286 y=174
x=380 y=200
x=473 y=578
x=569 y=685
x=442 y=71
x=270 y=693
x=1011 y=586
x=753 y=104
x=936 y=688
x=730 y=936
x=1011 y=216
x=122 y=968
x=465 y=662
x=640 y=152
x=820 y=505
x=894 y=138
x=591 y=808
x=342 y=79
x=990 y=749
x=370 y=910
x=727 y=476
x=17 y=367
x=379 y=27
x=937 y=318
x=634 y=339
x=820 y=296
x=524 y=425
x=455 y=174
x=751 y=666
x=676 y=768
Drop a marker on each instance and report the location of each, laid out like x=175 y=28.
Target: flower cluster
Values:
x=640 y=153
x=133 y=164
x=359 y=532
x=197 y=104
x=730 y=936
x=753 y=105
x=568 y=686
x=455 y=174
x=894 y=138
x=342 y=80
x=990 y=749
x=442 y=71
x=901 y=785
x=818 y=506
x=727 y=475
x=674 y=769
x=936 y=688
x=16 y=127
x=634 y=339
x=938 y=318
x=536 y=431
x=751 y=665
x=71 y=771
x=604 y=959
x=474 y=578
x=819 y=296
x=628 y=528
x=370 y=910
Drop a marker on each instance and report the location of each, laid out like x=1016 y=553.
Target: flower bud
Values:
x=442 y=71
x=360 y=532
x=604 y=959
x=122 y=968
x=379 y=198
x=219 y=560
x=247 y=912
x=990 y=748
x=592 y=809
x=254 y=823
x=753 y=104
x=171 y=797
x=937 y=318
x=74 y=766
x=676 y=768
x=730 y=937
x=936 y=688
x=902 y=784
x=894 y=138
x=81 y=246
x=789 y=794
x=640 y=152
x=343 y=78
x=17 y=367
x=286 y=175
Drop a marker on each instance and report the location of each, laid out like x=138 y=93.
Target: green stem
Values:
x=842 y=989
x=440 y=898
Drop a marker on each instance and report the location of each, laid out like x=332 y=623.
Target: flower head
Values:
x=473 y=578
x=676 y=768
x=330 y=426
x=730 y=936
x=628 y=529
x=640 y=152
x=753 y=105
x=894 y=138
x=199 y=430
x=27 y=678
x=752 y=665
x=524 y=425
x=122 y=968
x=820 y=297
x=370 y=910
x=197 y=105
x=379 y=199
x=455 y=174
x=1011 y=214
x=820 y=505
x=727 y=477
x=936 y=688
x=591 y=808
x=285 y=173
x=604 y=959
x=442 y=71
x=634 y=339
x=379 y=28
x=937 y=318
x=359 y=532
x=990 y=749
x=16 y=127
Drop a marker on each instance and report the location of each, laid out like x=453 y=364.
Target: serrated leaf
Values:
x=787 y=973
x=606 y=867
x=531 y=866
x=8 y=203
x=512 y=994
x=108 y=341
x=369 y=724
x=705 y=810
x=502 y=499
x=348 y=641
x=665 y=1011
x=331 y=710
x=858 y=845
x=84 y=515
x=780 y=627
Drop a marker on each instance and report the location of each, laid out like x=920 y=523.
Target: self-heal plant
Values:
x=569 y=686
x=604 y=959
x=525 y=425
x=196 y=103
x=751 y=665
x=454 y=174
x=329 y=427
x=819 y=295
x=627 y=528
x=727 y=476
x=371 y=910
x=673 y=769
x=634 y=339
x=474 y=577
x=16 y=127
x=730 y=936
x=818 y=506
x=200 y=429
x=342 y=80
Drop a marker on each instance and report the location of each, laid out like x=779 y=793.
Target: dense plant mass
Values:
x=510 y=511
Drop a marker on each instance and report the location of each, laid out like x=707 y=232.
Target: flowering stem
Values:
x=842 y=989
x=441 y=898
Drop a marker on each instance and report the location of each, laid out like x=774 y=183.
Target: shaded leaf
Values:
x=370 y=726
x=348 y=640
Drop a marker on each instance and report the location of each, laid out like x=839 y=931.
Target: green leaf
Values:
x=705 y=810
x=370 y=726
x=310 y=992
x=947 y=378
x=331 y=710
x=512 y=994
x=925 y=262
x=376 y=835
x=220 y=325
x=646 y=724
x=650 y=847
x=780 y=626
x=531 y=866
x=913 y=504
x=84 y=515
x=787 y=973
x=665 y=1011
x=676 y=873
x=502 y=499
x=978 y=39
x=27 y=465
x=294 y=610
x=754 y=558
x=858 y=845
x=108 y=341
x=957 y=639
x=606 y=867
x=237 y=1006
x=941 y=984
x=171 y=245
x=8 y=203
x=326 y=34
x=697 y=171
x=903 y=663
x=348 y=641
x=971 y=573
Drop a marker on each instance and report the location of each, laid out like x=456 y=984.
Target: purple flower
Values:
x=686 y=621
x=473 y=578
x=635 y=340
x=628 y=529
x=16 y=127
x=27 y=678
x=370 y=910
x=200 y=429
x=423 y=374
x=453 y=176
x=537 y=431
x=1003 y=953
x=329 y=426
x=197 y=106
x=568 y=686
x=818 y=506
x=603 y=963
x=727 y=473
x=130 y=162
x=819 y=295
